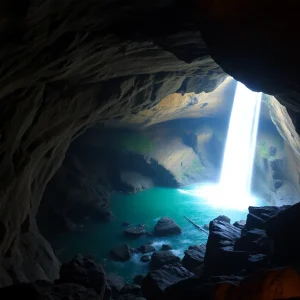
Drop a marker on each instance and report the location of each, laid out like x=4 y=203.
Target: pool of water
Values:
x=145 y=207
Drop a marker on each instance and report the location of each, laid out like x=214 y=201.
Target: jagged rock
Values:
x=161 y=258
x=146 y=248
x=166 y=226
x=194 y=257
x=257 y=261
x=240 y=224
x=165 y=247
x=41 y=290
x=222 y=218
x=135 y=231
x=121 y=253
x=116 y=282
x=85 y=271
x=128 y=297
x=138 y=279
x=254 y=222
x=220 y=259
x=145 y=258
x=157 y=281
x=133 y=289
x=284 y=229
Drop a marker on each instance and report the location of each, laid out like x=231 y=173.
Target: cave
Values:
x=113 y=114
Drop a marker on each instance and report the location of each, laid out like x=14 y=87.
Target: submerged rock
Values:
x=156 y=282
x=194 y=257
x=135 y=231
x=166 y=226
x=161 y=258
x=146 y=248
x=145 y=258
x=206 y=226
x=121 y=253
x=116 y=282
x=85 y=271
x=165 y=247
x=125 y=223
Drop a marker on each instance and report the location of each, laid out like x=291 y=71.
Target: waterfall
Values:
x=235 y=181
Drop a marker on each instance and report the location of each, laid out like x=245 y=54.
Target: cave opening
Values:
x=120 y=178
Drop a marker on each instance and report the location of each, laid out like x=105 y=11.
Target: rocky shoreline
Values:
x=237 y=256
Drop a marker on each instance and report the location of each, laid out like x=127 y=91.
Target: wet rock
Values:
x=85 y=271
x=272 y=150
x=128 y=297
x=135 y=231
x=254 y=222
x=193 y=257
x=165 y=247
x=133 y=289
x=145 y=258
x=125 y=223
x=240 y=224
x=161 y=258
x=166 y=226
x=41 y=290
x=257 y=261
x=146 y=248
x=222 y=218
x=156 y=282
x=266 y=212
x=121 y=253
x=116 y=282
x=134 y=251
x=284 y=231
x=220 y=258
x=138 y=279
x=206 y=226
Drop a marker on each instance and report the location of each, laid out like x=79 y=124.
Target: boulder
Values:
x=156 y=282
x=206 y=226
x=193 y=257
x=165 y=247
x=254 y=222
x=138 y=279
x=166 y=226
x=116 y=283
x=85 y=271
x=240 y=224
x=222 y=218
x=146 y=248
x=145 y=258
x=121 y=253
x=41 y=290
x=135 y=231
x=161 y=258
x=132 y=289
x=257 y=261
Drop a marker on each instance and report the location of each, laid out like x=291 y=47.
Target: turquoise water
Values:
x=145 y=207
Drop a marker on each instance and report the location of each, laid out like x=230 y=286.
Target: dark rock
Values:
x=135 y=231
x=161 y=258
x=134 y=251
x=266 y=212
x=157 y=281
x=165 y=247
x=220 y=259
x=41 y=290
x=222 y=218
x=133 y=289
x=107 y=293
x=284 y=229
x=128 y=297
x=138 y=279
x=257 y=261
x=278 y=183
x=84 y=271
x=232 y=279
x=145 y=258
x=121 y=253
x=240 y=224
x=146 y=248
x=166 y=226
x=116 y=282
x=254 y=222
x=193 y=257
x=272 y=150
x=125 y=223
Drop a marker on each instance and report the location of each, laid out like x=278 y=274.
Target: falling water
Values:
x=236 y=175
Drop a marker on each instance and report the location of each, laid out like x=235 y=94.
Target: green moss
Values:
x=263 y=150
x=132 y=142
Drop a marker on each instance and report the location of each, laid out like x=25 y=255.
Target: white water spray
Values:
x=233 y=190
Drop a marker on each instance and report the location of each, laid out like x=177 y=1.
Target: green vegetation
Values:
x=132 y=142
x=263 y=150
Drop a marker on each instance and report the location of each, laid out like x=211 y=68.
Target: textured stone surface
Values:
x=166 y=226
x=162 y=258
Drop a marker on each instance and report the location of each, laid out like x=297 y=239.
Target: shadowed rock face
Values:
x=68 y=64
